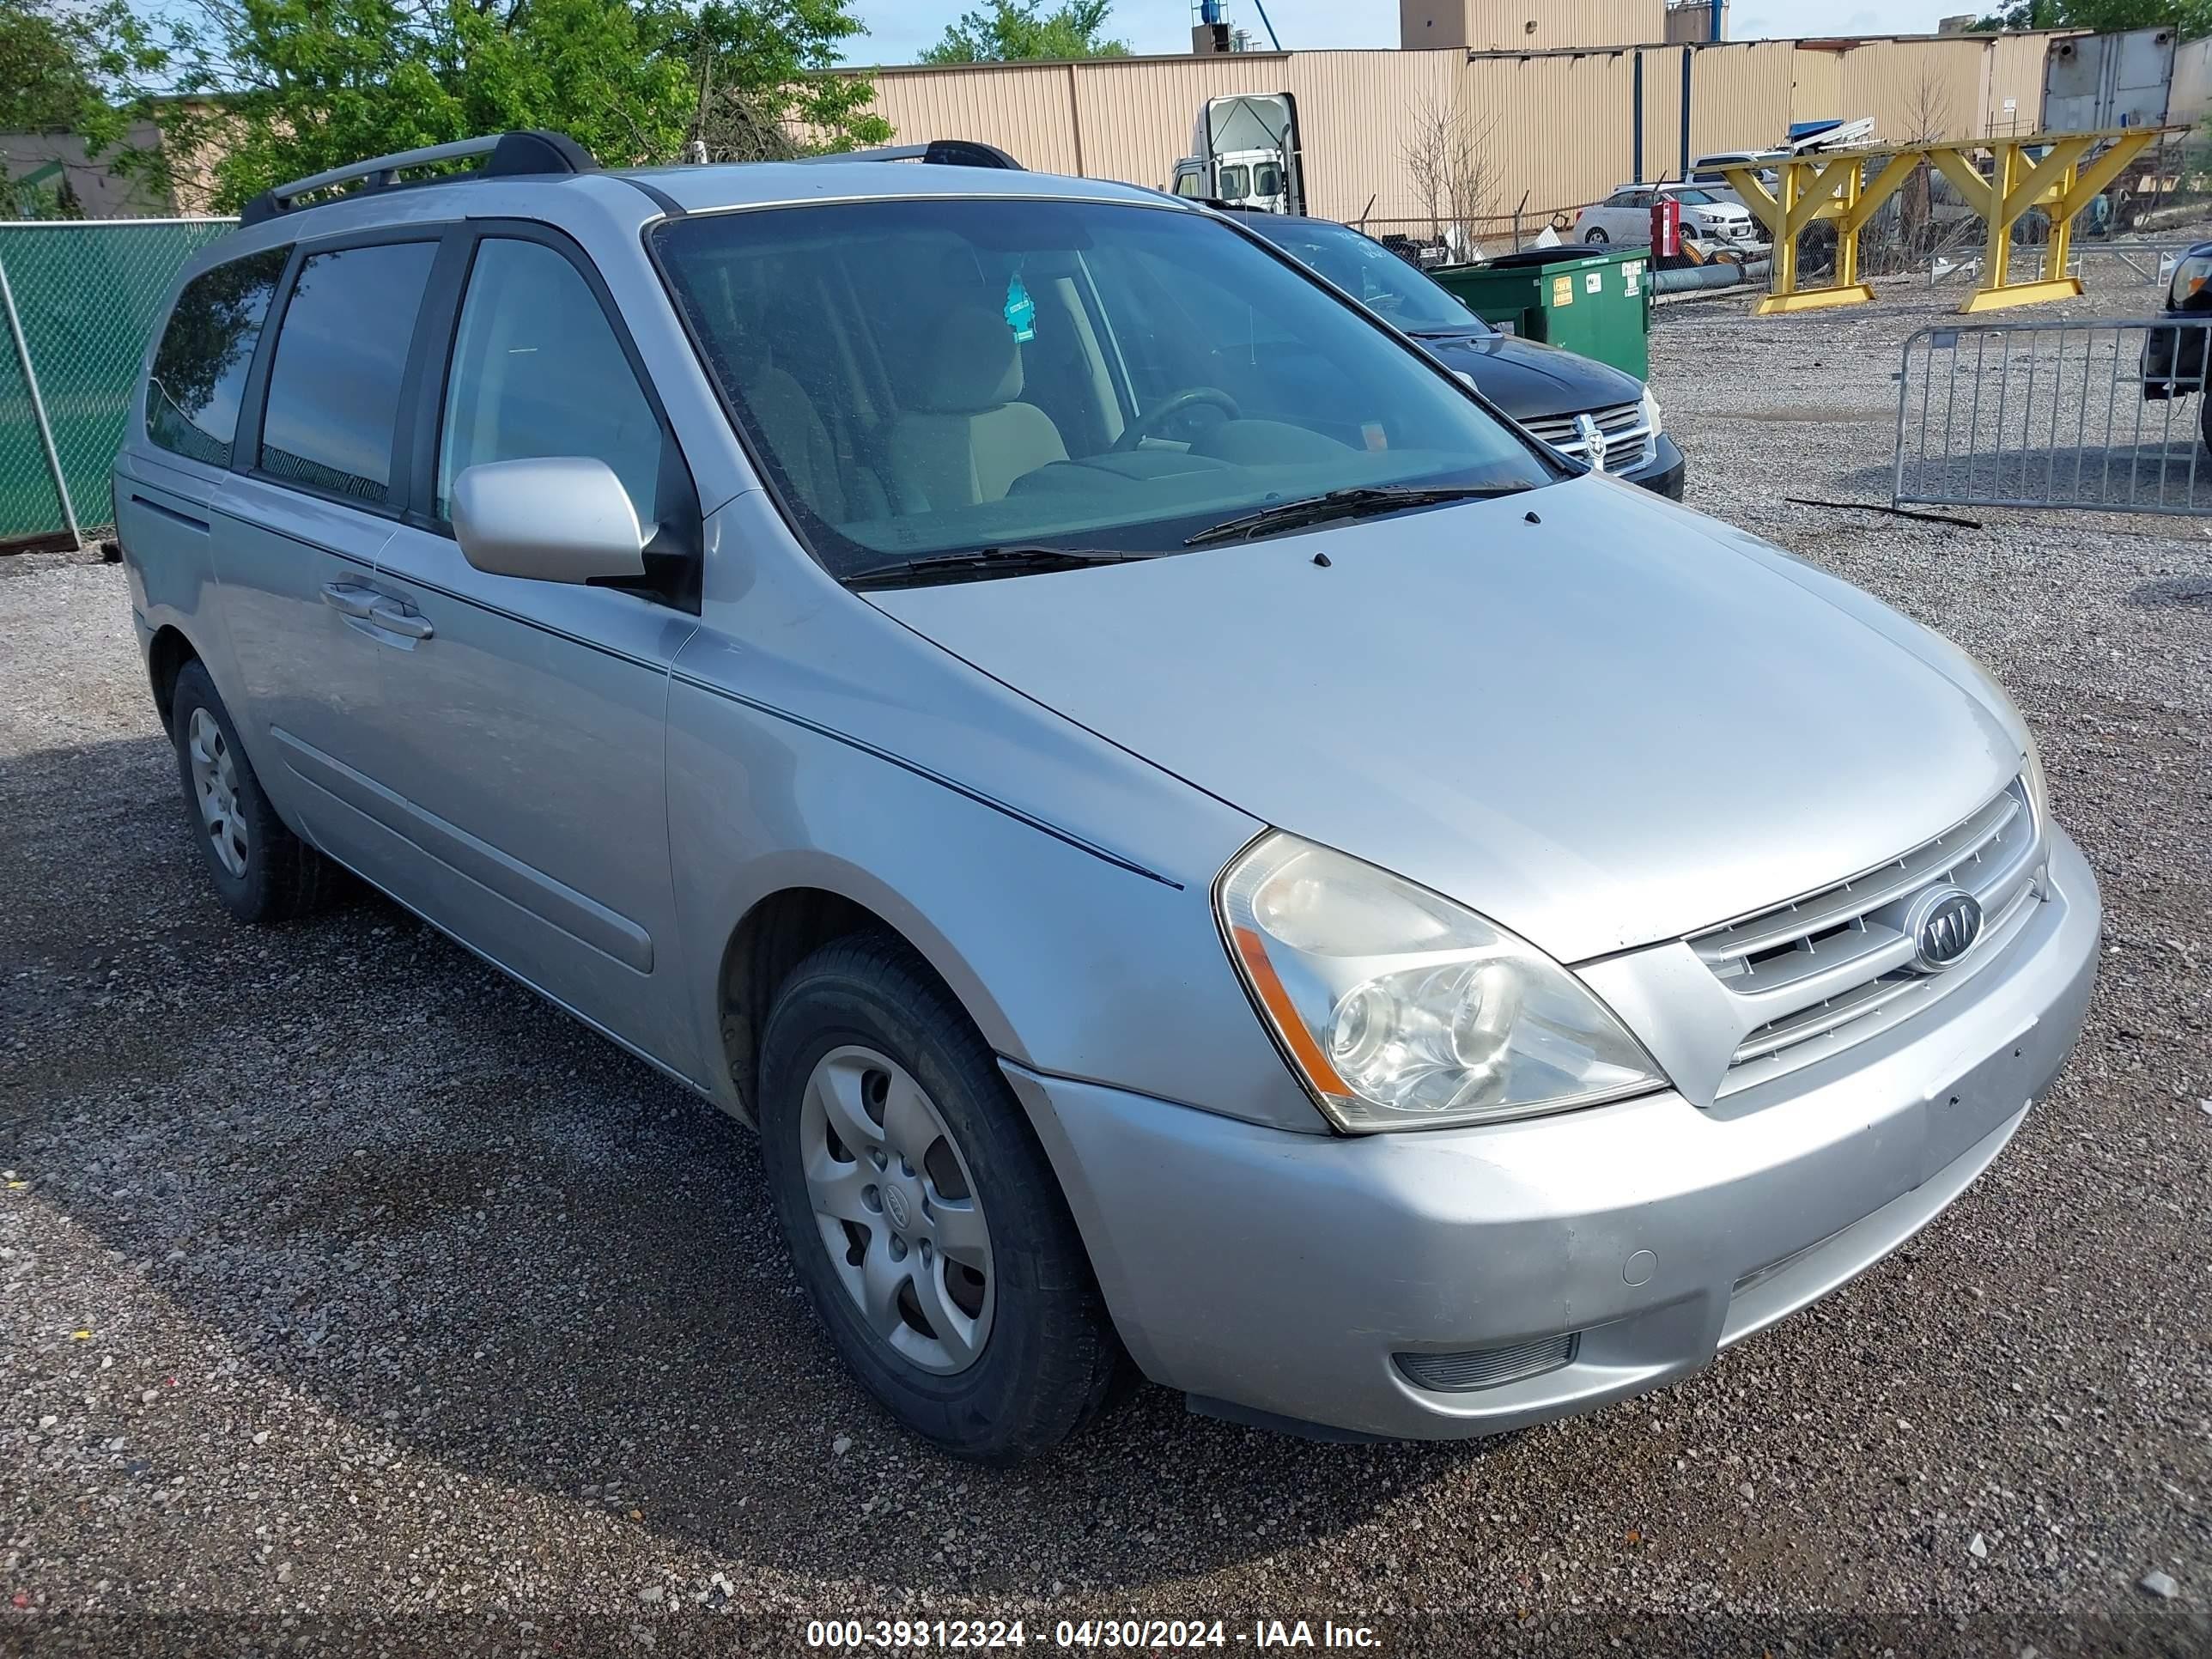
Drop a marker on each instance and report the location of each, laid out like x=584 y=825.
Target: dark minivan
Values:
x=1580 y=407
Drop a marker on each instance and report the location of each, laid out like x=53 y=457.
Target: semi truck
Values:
x=1245 y=150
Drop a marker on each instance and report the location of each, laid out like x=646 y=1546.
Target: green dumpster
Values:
x=1597 y=304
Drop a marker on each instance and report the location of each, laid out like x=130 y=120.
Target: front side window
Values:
x=200 y=366
x=935 y=377
x=334 y=384
x=539 y=372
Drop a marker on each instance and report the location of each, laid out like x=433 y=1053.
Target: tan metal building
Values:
x=1554 y=130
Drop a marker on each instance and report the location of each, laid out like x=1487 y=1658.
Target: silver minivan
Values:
x=1205 y=851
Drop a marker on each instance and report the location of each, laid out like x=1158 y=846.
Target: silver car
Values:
x=1203 y=849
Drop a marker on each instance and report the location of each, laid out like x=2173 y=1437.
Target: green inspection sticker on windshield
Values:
x=1021 y=310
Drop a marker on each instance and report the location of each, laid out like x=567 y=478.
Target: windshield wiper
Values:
x=985 y=562
x=1358 y=503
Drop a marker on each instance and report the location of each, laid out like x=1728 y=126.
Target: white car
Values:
x=1625 y=216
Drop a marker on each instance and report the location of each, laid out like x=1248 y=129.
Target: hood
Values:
x=1621 y=725
x=1530 y=380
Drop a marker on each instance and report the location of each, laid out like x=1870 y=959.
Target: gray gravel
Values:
x=354 y=1299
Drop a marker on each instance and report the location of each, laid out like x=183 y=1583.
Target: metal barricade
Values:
x=2102 y=416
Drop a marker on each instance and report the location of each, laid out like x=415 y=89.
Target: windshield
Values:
x=1691 y=197
x=1234 y=185
x=924 y=377
x=1371 y=273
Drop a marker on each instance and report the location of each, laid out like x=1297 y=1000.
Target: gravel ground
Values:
x=355 y=1300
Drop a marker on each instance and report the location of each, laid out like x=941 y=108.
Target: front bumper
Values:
x=1280 y=1274
x=2174 y=357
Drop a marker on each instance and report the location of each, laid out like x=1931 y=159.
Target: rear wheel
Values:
x=262 y=871
x=1597 y=238
x=921 y=1214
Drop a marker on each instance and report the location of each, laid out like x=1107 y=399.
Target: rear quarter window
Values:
x=200 y=366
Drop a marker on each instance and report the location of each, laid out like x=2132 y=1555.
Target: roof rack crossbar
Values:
x=943 y=152
x=379 y=169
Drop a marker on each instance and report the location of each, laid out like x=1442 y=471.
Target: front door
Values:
x=523 y=722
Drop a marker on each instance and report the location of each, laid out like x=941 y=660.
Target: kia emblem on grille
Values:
x=1595 y=443
x=1943 y=924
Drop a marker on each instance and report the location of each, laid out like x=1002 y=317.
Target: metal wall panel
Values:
x=1739 y=95
x=1916 y=90
x=1358 y=111
x=1563 y=125
x=1027 y=110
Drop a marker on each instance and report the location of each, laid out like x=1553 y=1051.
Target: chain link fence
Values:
x=80 y=298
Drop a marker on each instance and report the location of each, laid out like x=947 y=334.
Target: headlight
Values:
x=2189 y=277
x=1399 y=1009
x=1651 y=417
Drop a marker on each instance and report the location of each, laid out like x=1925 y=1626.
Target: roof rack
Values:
x=938 y=152
x=512 y=154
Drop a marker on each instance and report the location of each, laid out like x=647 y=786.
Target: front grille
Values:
x=1629 y=442
x=1833 y=968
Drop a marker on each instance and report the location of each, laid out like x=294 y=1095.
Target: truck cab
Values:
x=1245 y=151
x=1254 y=179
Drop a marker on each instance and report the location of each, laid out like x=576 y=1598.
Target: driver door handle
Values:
x=351 y=598
x=394 y=618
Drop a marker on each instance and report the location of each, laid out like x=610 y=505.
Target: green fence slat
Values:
x=89 y=295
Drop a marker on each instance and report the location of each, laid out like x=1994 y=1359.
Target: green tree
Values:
x=57 y=62
x=255 y=92
x=1015 y=31
x=2192 y=17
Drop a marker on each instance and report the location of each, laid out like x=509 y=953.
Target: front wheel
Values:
x=922 y=1215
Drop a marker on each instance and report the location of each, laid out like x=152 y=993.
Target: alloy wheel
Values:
x=214 y=788
x=897 y=1210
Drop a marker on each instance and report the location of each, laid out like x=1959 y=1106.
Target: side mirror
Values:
x=554 y=519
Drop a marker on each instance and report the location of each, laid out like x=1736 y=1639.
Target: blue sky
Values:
x=899 y=29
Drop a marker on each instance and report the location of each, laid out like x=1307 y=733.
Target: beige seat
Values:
x=794 y=430
x=966 y=438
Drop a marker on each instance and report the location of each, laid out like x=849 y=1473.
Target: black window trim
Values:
x=437 y=334
x=249 y=409
x=441 y=328
x=246 y=445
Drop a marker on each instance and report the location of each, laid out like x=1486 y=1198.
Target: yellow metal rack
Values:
x=2058 y=171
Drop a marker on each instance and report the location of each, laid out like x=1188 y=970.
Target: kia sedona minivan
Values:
x=1204 y=849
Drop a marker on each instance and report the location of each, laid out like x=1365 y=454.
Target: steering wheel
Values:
x=1160 y=414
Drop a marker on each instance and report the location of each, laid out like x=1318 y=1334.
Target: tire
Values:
x=1597 y=238
x=262 y=872
x=1027 y=1355
x=2204 y=414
